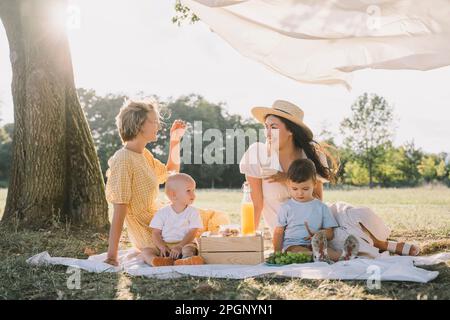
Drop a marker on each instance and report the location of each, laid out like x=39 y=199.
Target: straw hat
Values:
x=283 y=109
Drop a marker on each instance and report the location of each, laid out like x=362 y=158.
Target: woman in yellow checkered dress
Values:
x=134 y=175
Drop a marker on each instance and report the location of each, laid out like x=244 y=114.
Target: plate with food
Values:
x=279 y=259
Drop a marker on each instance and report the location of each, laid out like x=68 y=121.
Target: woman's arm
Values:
x=173 y=162
x=257 y=197
x=176 y=132
x=120 y=211
x=318 y=190
x=278 y=239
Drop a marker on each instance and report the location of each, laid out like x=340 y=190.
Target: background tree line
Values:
x=367 y=155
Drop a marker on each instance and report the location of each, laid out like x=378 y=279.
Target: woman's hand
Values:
x=112 y=261
x=177 y=130
x=120 y=211
x=280 y=177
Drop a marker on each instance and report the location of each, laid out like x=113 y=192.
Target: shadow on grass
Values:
x=200 y=288
x=22 y=281
x=272 y=287
x=294 y=288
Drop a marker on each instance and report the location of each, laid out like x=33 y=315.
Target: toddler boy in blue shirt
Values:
x=305 y=223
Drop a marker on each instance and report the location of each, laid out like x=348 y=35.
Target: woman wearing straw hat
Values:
x=265 y=165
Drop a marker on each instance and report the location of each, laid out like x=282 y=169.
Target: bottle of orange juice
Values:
x=247 y=212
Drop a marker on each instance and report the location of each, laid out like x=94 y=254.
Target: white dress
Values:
x=253 y=164
x=350 y=218
x=274 y=194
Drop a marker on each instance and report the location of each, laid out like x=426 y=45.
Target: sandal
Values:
x=351 y=248
x=319 y=245
x=407 y=250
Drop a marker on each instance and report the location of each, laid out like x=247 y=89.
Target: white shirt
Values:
x=174 y=225
x=274 y=193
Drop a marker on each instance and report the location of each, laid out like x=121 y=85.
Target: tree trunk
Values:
x=55 y=174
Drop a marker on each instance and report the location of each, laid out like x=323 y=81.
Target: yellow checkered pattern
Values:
x=134 y=179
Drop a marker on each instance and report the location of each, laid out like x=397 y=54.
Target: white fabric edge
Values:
x=392 y=268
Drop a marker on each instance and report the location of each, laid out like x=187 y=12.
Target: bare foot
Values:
x=395 y=247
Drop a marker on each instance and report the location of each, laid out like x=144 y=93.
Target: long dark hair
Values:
x=312 y=149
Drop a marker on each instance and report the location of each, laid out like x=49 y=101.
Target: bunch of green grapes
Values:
x=289 y=257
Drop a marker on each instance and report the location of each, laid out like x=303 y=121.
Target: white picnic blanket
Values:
x=384 y=268
x=323 y=41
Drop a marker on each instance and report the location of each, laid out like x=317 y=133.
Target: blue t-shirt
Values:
x=293 y=215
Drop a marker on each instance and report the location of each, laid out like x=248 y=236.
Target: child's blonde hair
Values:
x=132 y=116
x=177 y=177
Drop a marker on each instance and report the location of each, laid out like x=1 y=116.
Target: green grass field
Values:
x=420 y=216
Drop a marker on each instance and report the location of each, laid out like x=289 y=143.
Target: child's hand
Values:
x=164 y=251
x=175 y=252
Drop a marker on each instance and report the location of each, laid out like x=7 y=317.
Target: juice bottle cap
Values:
x=246 y=187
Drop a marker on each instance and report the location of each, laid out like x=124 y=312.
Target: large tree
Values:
x=55 y=170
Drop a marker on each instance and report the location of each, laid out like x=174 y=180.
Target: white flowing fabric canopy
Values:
x=323 y=41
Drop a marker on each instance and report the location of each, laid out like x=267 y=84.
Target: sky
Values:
x=128 y=46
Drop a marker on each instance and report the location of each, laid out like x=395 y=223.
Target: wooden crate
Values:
x=232 y=250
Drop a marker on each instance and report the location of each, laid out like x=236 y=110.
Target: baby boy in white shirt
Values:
x=175 y=226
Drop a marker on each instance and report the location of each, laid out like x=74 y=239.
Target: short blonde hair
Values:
x=175 y=179
x=132 y=116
